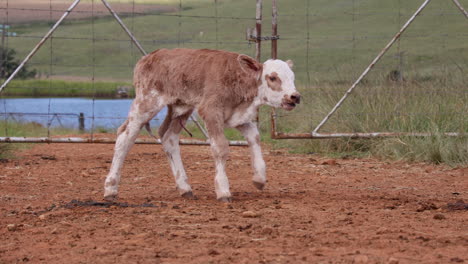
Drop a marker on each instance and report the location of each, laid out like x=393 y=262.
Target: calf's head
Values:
x=276 y=81
x=277 y=86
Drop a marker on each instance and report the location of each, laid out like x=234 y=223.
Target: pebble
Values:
x=393 y=260
x=439 y=216
x=267 y=231
x=12 y=227
x=329 y=162
x=213 y=252
x=250 y=214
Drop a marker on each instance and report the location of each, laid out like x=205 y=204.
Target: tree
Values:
x=8 y=65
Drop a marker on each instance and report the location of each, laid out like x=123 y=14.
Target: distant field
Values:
x=27 y=11
x=343 y=38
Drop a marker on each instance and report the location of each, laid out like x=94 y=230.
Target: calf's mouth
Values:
x=288 y=105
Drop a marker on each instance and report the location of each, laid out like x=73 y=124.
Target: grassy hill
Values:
x=341 y=37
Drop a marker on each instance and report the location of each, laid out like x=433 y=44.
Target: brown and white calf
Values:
x=225 y=88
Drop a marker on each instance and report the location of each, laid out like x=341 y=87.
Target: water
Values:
x=108 y=113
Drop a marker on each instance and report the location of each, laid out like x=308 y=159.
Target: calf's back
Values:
x=191 y=77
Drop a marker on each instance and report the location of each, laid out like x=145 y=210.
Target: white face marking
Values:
x=283 y=71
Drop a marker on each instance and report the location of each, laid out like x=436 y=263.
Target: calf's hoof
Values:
x=225 y=199
x=189 y=195
x=259 y=185
x=110 y=198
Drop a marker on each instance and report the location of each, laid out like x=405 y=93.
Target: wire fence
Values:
x=418 y=86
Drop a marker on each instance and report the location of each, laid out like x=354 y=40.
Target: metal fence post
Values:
x=274 y=55
x=274 y=30
x=258 y=28
x=81 y=122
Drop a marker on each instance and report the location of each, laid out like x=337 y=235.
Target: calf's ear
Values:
x=249 y=65
x=290 y=63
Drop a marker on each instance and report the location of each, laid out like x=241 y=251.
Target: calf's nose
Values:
x=296 y=98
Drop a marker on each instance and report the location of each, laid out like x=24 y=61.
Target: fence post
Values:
x=258 y=29
x=274 y=29
x=81 y=123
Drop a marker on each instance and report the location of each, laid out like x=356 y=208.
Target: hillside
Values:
x=344 y=36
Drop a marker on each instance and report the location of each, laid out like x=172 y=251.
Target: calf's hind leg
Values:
x=138 y=116
x=169 y=134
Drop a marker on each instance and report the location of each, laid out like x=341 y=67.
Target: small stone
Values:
x=361 y=259
x=439 y=216
x=393 y=260
x=250 y=214
x=329 y=162
x=426 y=206
x=126 y=229
x=12 y=227
x=382 y=230
x=43 y=217
x=65 y=223
x=213 y=252
x=267 y=231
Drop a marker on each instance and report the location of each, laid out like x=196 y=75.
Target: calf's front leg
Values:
x=250 y=133
x=220 y=149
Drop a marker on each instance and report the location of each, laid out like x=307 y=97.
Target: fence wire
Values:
x=90 y=59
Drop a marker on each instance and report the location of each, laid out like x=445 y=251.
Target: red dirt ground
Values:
x=313 y=210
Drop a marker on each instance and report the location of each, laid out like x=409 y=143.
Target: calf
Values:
x=225 y=88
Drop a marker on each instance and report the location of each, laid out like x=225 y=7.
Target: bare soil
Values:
x=26 y=11
x=314 y=210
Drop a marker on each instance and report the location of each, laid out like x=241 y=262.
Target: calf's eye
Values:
x=272 y=78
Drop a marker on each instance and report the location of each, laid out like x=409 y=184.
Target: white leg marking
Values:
x=221 y=181
x=171 y=147
x=122 y=146
x=220 y=148
x=250 y=132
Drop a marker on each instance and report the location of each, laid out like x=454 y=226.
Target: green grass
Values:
x=434 y=106
x=330 y=48
x=25 y=129
x=30 y=129
x=60 y=88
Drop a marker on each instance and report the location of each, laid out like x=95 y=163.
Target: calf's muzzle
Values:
x=289 y=102
x=296 y=98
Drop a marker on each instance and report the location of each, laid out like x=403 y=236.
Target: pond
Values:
x=98 y=113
